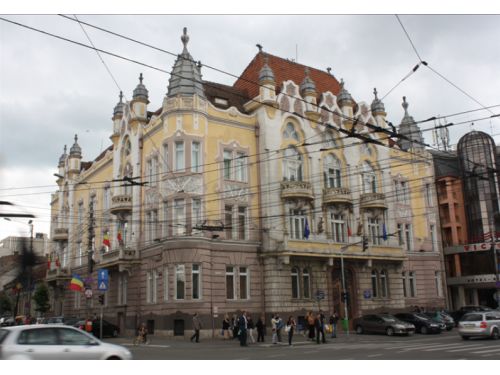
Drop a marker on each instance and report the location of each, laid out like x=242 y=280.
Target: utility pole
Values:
x=90 y=247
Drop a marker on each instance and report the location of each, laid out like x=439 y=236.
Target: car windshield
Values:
x=3 y=334
x=422 y=317
x=472 y=318
x=388 y=318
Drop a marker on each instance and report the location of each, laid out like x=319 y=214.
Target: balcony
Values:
x=58 y=275
x=336 y=195
x=60 y=234
x=122 y=259
x=121 y=204
x=296 y=189
x=486 y=280
x=373 y=200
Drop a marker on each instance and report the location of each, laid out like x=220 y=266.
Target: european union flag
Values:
x=307 y=232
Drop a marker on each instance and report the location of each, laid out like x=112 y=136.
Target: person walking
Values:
x=251 y=329
x=234 y=326
x=334 y=318
x=319 y=329
x=290 y=328
x=226 y=323
x=279 y=327
x=243 y=327
x=310 y=323
x=274 y=324
x=261 y=326
x=196 y=327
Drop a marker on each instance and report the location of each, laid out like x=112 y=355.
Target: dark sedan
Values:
x=383 y=323
x=108 y=329
x=422 y=323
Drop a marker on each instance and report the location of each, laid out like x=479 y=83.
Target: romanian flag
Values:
x=349 y=231
x=49 y=259
x=119 y=237
x=105 y=240
x=58 y=264
x=76 y=283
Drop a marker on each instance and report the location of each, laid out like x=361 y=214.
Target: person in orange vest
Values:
x=88 y=325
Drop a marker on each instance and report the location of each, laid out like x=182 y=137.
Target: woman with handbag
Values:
x=290 y=328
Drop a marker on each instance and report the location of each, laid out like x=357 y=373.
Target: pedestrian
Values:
x=251 y=329
x=88 y=326
x=243 y=327
x=279 y=327
x=196 y=328
x=310 y=323
x=319 y=329
x=274 y=324
x=142 y=334
x=261 y=326
x=334 y=318
x=226 y=323
x=290 y=328
x=234 y=326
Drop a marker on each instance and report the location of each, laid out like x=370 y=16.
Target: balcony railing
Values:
x=121 y=204
x=373 y=200
x=118 y=256
x=296 y=189
x=60 y=234
x=58 y=273
x=337 y=195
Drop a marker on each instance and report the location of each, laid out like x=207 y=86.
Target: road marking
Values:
x=454 y=346
x=487 y=351
x=374 y=355
x=473 y=347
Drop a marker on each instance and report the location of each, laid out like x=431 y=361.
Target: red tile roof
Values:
x=283 y=70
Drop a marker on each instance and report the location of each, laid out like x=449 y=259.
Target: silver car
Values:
x=55 y=341
x=480 y=324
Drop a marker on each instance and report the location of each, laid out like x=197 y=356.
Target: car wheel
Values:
x=359 y=330
x=494 y=334
x=465 y=337
x=389 y=331
x=115 y=333
x=114 y=357
x=423 y=330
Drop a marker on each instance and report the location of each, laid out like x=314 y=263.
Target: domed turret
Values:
x=344 y=97
x=119 y=108
x=140 y=91
x=377 y=105
x=62 y=159
x=266 y=74
x=410 y=132
x=75 y=151
x=307 y=87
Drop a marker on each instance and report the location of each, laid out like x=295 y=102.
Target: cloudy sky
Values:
x=51 y=90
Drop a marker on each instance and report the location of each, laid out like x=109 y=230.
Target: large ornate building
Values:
x=246 y=197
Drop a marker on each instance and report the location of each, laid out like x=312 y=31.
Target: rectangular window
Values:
x=122 y=288
x=77 y=299
x=383 y=284
x=180 y=281
x=165 y=284
x=338 y=227
x=165 y=221
x=413 y=284
x=179 y=156
x=439 y=285
x=374 y=284
x=241 y=171
x=228 y=163
x=79 y=257
x=179 y=217
x=230 y=285
x=242 y=216
x=297 y=224
x=408 y=237
x=196 y=208
x=244 y=284
x=433 y=237
x=401 y=235
x=154 y=171
x=80 y=213
x=374 y=230
x=195 y=157
x=405 y=286
x=306 y=283
x=149 y=169
x=195 y=281
x=428 y=195
x=295 y=283
x=228 y=221
x=165 y=159
x=149 y=287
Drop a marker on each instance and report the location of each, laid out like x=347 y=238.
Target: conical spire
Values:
x=140 y=91
x=119 y=108
x=75 y=150
x=409 y=130
x=344 y=96
x=185 y=78
x=63 y=157
x=307 y=85
x=266 y=73
x=377 y=105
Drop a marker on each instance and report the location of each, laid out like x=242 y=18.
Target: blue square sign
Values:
x=102 y=279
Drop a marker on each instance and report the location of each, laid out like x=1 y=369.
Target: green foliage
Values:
x=41 y=298
x=5 y=304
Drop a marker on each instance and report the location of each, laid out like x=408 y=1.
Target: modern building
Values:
x=247 y=197
x=468 y=193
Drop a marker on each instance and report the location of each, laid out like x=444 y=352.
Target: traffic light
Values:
x=101 y=299
x=365 y=243
x=345 y=296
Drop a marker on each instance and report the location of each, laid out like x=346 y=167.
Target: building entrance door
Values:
x=338 y=303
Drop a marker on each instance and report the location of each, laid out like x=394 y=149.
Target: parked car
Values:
x=448 y=320
x=108 y=329
x=6 y=321
x=437 y=318
x=422 y=323
x=61 y=320
x=55 y=341
x=382 y=323
x=480 y=324
x=457 y=315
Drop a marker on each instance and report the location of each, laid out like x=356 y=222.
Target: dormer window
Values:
x=221 y=102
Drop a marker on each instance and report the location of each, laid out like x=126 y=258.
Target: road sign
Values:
x=102 y=279
x=367 y=294
x=320 y=294
x=88 y=293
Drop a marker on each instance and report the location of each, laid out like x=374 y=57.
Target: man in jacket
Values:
x=243 y=326
x=196 y=327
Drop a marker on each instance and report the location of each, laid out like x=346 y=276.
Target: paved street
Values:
x=447 y=345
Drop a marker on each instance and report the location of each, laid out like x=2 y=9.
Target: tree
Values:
x=41 y=298
x=5 y=304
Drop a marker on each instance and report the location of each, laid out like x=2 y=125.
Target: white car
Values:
x=54 y=341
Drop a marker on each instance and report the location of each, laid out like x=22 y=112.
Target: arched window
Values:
x=127 y=147
x=374 y=284
x=290 y=132
x=306 y=283
x=332 y=169
x=292 y=165
x=295 y=282
x=383 y=284
x=369 y=179
x=127 y=172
